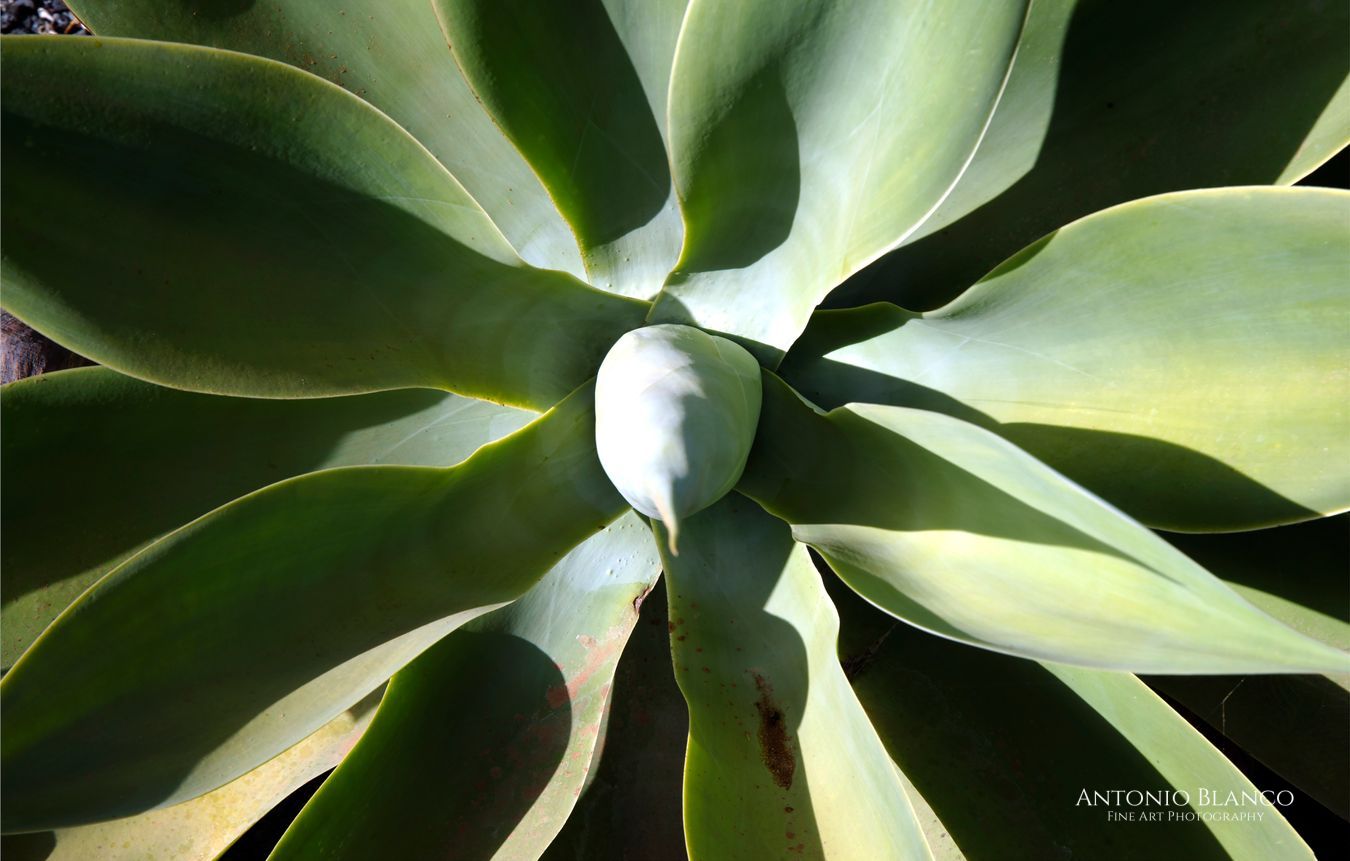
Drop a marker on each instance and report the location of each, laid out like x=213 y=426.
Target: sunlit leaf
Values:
x=1183 y=356
x=958 y=532
x=240 y=634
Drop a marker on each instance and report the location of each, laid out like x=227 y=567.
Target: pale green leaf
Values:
x=958 y=532
x=390 y=53
x=807 y=138
x=630 y=806
x=1110 y=102
x=98 y=465
x=782 y=761
x=238 y=635
x=1002 y=748
x=1183 y=356
x=580 y=88
x=255 y=230
x=1296 y=574
x=481 y=745
x=203 y=828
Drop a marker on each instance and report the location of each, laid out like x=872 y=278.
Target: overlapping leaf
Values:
x=497 y=779
x=580 y=88
x=391 y=54
x=807 y=138
x=782 y=761
x=1183 y=356
x=1003 y=749
x=1109 y=102
x=242 y=633
x=203 y=828
x=258 y=231
x=98 y=465
x=1297 y=575
x=953 y=529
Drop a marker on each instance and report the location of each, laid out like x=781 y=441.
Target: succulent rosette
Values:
x=879 y=335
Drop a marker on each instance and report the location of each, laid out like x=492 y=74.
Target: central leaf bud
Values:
x=675 y=415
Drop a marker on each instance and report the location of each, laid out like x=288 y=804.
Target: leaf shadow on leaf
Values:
x=1144 y=477
x=572 y=99
x=999 y=747
x=1141 y=107
x=129 y=513
x=1303 y=563
x=745 y=674
x=220 y=263
x=631 y=805
x=734 y=231
x=502 y=753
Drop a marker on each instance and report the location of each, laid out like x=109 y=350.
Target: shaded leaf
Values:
x=1296 y=574
x=258 y=231
x=1183 y=356
x=956 y=531
x=630 y=807
x=390 y=53
x=1110 y=102
x=580 y=88
x=98 y=465
x=144 y=692
x=782 y=761
x=497 y=779
x=808 y=138
x=203 y=828
x=1003 y=749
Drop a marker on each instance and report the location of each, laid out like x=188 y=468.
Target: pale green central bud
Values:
x=675 y=415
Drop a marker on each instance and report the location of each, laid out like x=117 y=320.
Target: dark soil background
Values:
x=26 y=353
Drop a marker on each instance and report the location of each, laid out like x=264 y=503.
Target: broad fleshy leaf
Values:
x=203 y=828
x=1004 y=748
x=98 y=465
x=956 y=531
x=580 y=88
x=238 y=635
x=1110 y=102
x=391 y=54
x=630 y=806
x=782 y=761
x=258 y=231
x=1183 y=356
x=481 y=745
x=807 y=138
x=1297 y=575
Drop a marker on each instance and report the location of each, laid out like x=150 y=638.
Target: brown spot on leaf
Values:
x=775 y=747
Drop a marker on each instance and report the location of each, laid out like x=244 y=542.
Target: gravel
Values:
x=39 y=16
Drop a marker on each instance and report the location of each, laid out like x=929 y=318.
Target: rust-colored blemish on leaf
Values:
x=775 y=747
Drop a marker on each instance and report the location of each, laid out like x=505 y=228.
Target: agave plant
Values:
x=421 y=364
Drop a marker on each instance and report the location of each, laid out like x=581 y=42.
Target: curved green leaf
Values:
x=782 y=762
x=233 y=638
x=807 y=138
x=233 y=225
x=1003 y=748
x=958 y=532
x=1110 y=102
x=98 y=465
x=1305 y=563
x=390 y=53
x=203 y=828
x=580 y=87
x=1183 y=356
x=630 y=806
x=497 y=779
